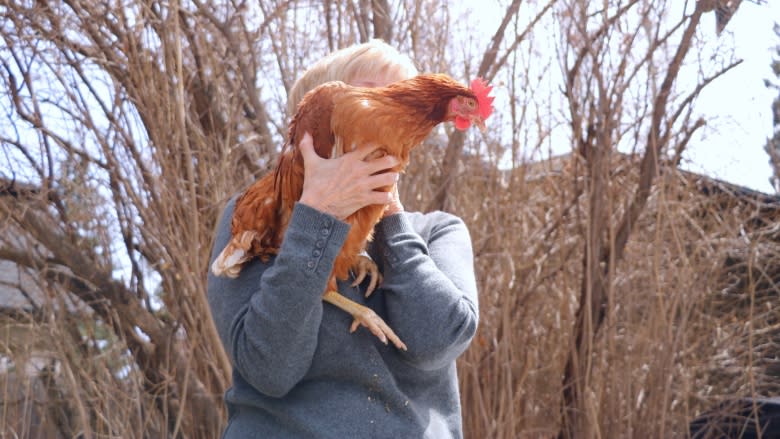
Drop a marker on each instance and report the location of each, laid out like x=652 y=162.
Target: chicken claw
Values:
x=377 y=326
x=366 y=266
x=366 y=317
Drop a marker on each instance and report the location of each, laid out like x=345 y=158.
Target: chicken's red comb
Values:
x=482 y=91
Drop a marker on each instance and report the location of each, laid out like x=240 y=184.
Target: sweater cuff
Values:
x=397 y=239
x=315 y=236
x=393 y=225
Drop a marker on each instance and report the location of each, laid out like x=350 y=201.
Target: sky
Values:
x=738 y=104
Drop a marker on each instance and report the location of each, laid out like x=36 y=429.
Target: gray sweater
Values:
x=299 y=373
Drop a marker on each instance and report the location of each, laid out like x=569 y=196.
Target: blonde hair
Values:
x=374 y=59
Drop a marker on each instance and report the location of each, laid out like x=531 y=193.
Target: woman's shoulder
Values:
x=434 y=217
x=425 y=223
x=226 y=210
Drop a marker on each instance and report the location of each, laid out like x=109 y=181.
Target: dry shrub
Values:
x=177 y=106
x=689 y=324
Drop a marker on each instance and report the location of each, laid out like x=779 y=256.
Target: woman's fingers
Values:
x=379 y=197
x=395 y=205
x=381 y=164
x=342 y=185
x=382 y=180
x=306 y=145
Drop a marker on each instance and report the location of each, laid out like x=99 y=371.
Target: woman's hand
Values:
x=394 y=206
x=343 y=185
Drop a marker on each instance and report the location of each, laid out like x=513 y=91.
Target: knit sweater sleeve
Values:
x=429 y=284
x=268 y=317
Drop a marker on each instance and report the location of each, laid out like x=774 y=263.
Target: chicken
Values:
x=338 y=116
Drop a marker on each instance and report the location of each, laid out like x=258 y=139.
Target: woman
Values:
x=297 y=371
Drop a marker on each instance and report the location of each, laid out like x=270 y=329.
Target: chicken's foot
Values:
x=366 y=266
x=364 y=316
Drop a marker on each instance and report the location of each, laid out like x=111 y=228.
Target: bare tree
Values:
x=128 y=120
x=489 y=66
x=773 y=144
x=127 y=126
x=601 y=69
x=133 y=123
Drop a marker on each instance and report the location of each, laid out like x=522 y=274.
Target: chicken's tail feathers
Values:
x=234 y=255
x=288 y=180
x=283 y=162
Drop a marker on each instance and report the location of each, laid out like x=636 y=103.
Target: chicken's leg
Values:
x=364 y=316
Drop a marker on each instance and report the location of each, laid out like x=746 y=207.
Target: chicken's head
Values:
x=467 y=110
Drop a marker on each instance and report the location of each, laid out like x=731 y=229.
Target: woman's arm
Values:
x=429 y=285
x=268 y=318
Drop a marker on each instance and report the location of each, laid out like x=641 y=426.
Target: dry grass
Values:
x=689 y=323
x=686 y=326
x=132 y=123
x=690 y=320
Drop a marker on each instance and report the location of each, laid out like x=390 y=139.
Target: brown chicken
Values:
x=339 y=116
